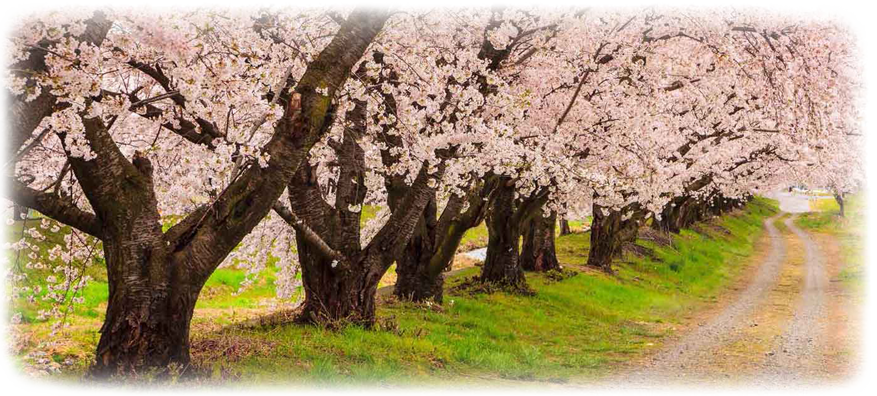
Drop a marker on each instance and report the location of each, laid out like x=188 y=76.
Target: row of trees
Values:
x=173 y=144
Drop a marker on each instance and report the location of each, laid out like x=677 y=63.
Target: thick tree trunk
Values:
x=609 y=232
x=335 y=297
x=840 y=202
x=564 y=227
x=502 y=265
x=538 y=253
x=415 y=282
x=414 y=279
x=423 y=279
x=151 y=298
x=676 y=215
x=146 y=329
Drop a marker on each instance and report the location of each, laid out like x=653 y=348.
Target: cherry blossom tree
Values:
x=169 y=145
x=114 y=102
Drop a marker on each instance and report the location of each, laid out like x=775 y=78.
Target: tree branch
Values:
x=58 y=207
x=306 y=232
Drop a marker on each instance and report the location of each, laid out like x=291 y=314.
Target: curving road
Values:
x=787 y=298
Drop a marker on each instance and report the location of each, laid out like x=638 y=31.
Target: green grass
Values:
x=574 y=328
x=849 y=231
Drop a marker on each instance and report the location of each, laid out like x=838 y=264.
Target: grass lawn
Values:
x=571 y=329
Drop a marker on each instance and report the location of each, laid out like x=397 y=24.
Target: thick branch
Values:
x=60 y=208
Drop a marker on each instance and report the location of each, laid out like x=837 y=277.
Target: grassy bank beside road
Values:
x=574 y=327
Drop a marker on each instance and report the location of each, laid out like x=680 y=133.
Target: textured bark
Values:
x=151 y=295
x=423 y=279
x=149 y=310
x=336 y=295
x=538 y=252
x=340 y=276
x=609 y=232
x=341 y=290
x=502 y=265
x=680 y=213
x=414 y=280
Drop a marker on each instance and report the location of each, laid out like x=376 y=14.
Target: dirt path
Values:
x=687 y=360
x=795 y=360
x=778 y=332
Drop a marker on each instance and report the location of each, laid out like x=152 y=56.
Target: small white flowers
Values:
x=323 y=91
x=334 y=263
x=355 y=208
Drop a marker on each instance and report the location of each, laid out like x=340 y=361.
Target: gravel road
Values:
x=687 y=359
x=787 y=297
x=795 y=359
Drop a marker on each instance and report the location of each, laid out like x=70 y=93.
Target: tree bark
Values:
x=538 y=253
x=609 y=232
x=149 y=311
x=151 y=293
x=676 y=215
x=502 y=265
x=414 y=279
x=336 y=294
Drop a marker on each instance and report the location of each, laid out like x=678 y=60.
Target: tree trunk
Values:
x=609 y=232
x=538 y=253
x=415 y=281
x=151 y=299
x=564 y=227
x=502 y=265
x=840 y=202
x=423 y=279
x=675 y=216
x=334 y=296
x=146 y=327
